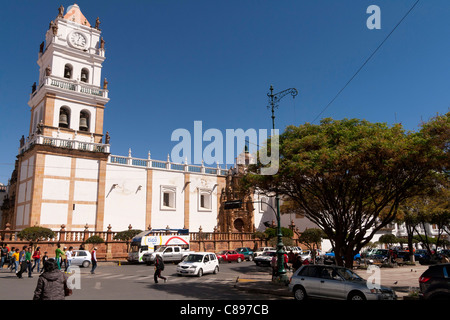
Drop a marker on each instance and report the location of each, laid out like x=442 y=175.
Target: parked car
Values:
x=247 y=252
x=265 y=259
x=81 y=258
x=294 y=249
x=434 y=283
x=333 y=282
x=198 y=263
x=230 y=255
x=421 y=253
x=261 y=250
x=329 y=258
x=306 y=255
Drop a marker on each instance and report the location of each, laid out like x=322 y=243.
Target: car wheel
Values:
x=85 y=264
x=356 y=296
x=250 y=258
x=221 y=260
x=216 y=270
x=239 y=260
x=300 y=294
x=200 y=273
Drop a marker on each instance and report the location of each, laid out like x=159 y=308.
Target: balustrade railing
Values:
x=64 y=143
x=72 y=85
x=165 y=165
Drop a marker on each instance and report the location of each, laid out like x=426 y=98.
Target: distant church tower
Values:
x=62 y=162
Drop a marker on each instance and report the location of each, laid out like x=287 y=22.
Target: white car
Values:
x=81 y=258
x=198 y=263
x=261 y=250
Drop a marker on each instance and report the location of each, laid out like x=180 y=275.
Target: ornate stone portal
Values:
x=240 y=219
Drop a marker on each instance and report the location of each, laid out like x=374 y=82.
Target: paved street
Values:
x=135 y=282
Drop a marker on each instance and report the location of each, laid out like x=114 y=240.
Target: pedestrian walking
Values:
x=4 y=255
x=15 y=260
x=274 y=265
x=22 y=262
x=159 y=266
x=58 y=254
x=64 y=258
x=52 y=284
x=44 y=258
x=37 y=260
x=94 y=260
x=28 y=259
x=68 y=258
x=297 y=263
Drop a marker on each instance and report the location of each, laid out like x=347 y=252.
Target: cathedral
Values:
x=65 y=174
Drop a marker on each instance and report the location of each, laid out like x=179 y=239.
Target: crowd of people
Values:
x=52 y=282
x=28 y=260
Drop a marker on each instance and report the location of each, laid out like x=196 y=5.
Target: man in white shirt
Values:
x=69 y=255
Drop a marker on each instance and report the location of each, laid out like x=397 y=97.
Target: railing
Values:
x=72 y=85
x=64 y=143
x=165 y=165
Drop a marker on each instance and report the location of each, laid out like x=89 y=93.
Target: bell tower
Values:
x=69 y=100
x=61 y=164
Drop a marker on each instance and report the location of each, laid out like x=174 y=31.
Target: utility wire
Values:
x=368 y=59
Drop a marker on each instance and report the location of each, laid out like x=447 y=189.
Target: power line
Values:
x=368 y=59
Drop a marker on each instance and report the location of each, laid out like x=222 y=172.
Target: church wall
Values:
x=125 y=203
x=201 y=216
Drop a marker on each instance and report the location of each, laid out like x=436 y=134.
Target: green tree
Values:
x=342 y=174
x=312 y=238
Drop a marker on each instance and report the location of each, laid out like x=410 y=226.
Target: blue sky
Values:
x=170 y=63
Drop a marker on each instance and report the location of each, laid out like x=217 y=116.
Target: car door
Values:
x=332 y=286
x=168 y=254
x=232 y=255
x=176 y=254
x=78 y=257
x=207 y=264
x=310 y=280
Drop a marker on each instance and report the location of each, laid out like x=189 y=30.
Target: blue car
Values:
x=247 y=252
x=329 y=257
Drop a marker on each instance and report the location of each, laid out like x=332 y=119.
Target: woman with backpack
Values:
x=159 y=266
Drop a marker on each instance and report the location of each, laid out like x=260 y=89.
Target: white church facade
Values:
x=66 y=174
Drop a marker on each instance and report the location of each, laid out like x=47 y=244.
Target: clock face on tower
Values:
x=78 y=40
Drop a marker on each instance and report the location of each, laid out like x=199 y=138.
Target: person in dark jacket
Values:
x=159 y=266
x=51 y=283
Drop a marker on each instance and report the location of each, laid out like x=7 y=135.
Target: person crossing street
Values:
x=159 y=266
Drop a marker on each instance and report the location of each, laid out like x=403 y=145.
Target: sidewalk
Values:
x=402 y=280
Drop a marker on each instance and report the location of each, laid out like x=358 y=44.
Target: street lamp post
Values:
x=273 y=103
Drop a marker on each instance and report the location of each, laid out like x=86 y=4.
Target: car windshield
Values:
x=269 y=253
x=194 y=258
x=160 y=249
x=222 y=252
x=240 y=250
x=348 y=275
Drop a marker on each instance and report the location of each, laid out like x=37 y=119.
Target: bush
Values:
x=127 y=235
x=35 y=234
x=94 y=239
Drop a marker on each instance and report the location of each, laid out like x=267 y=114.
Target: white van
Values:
x=198 y=263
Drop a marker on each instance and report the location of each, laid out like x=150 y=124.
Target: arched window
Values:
x=68 y=71
x=84 y=120
x=84 y=75
x=64 y=117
